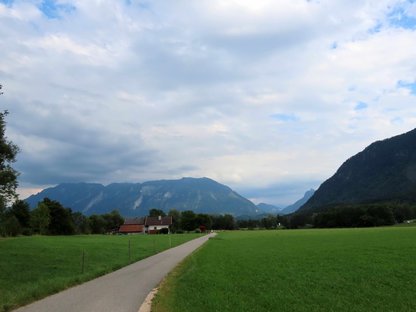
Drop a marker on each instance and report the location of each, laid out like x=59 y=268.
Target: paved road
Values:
x=121 y=291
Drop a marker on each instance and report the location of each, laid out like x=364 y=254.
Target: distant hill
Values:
x=267 y=208
x=384 y=171
x=201 y=195
x=294 y=207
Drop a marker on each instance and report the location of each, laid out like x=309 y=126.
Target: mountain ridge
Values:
x=202 y=195
x=384 y=171
x=299 y=203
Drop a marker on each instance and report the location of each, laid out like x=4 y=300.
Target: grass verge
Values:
x=36 y=266
x=298 y=270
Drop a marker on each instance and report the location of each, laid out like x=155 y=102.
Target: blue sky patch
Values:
x=396 y=120
x=7 y=2
x=360 y=106
x=408 y=85
x=400 y=18
x=144 y=5
x=52 y=9
x=285 y=117
x=376 y=28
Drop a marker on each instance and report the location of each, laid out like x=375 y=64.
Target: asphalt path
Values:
x=123 y=290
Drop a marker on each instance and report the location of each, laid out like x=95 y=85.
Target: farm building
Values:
x=149 y=225
x=134 y=225
x=154 y=225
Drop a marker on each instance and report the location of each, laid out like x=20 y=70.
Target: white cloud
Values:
x=251 y=93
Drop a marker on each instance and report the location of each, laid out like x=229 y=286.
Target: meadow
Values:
x=367 y=269
x=36 y=266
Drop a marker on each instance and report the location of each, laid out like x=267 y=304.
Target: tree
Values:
x=21 y=210
x=40 y=218
x=298 y=220
x=113 y=221
x=8 y=152
x=203 y=220
x=403 y=212
x=97 y=224
x=60 y=218
x=176 y=219
x=156 y=212
x=11 y=225
x=2 y=218
x=223 y=222
x=282 y=220
x=188 y=220
x=269 y=222
x=8 y=176
x=81 y=224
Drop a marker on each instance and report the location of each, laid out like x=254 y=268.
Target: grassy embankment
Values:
x=34 y=267
x=371 y=269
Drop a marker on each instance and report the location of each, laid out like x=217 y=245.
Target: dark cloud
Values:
x=58 y=148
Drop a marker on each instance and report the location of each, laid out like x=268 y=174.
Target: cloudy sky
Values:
x=268 y=97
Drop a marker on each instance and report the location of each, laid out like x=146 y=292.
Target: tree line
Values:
x=355 y=215
x=188 y=220
x=51 y=218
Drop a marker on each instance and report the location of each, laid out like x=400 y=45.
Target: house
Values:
x=149 y=225
x=132 y=226
x=154 y=225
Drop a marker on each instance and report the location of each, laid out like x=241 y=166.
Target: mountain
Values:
x=201 y=195
x=267 y=208
x=294 y=207
x=384 y=171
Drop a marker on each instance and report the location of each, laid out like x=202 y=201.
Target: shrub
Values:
x=164 y=231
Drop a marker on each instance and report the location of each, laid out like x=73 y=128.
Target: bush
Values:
x=164 y=231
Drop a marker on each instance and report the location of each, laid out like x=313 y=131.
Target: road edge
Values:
x=147 y=303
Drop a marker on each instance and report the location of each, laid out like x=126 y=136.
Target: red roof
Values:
x=136 y=225
x=131 y=228
x=150 y=221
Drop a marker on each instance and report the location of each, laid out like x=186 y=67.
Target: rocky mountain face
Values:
x=201 y=195
x=384 y=171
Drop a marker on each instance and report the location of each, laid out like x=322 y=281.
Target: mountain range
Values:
x=267 y=208
x=385 y=171
x=202 y=195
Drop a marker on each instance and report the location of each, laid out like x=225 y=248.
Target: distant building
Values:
x=153 y=225
x=146 y=225
x=130 y=226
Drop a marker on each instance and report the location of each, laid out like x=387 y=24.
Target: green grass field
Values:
x=34 y=267
x=297 y=270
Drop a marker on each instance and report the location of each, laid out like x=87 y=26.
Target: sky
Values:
x=267 y=97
